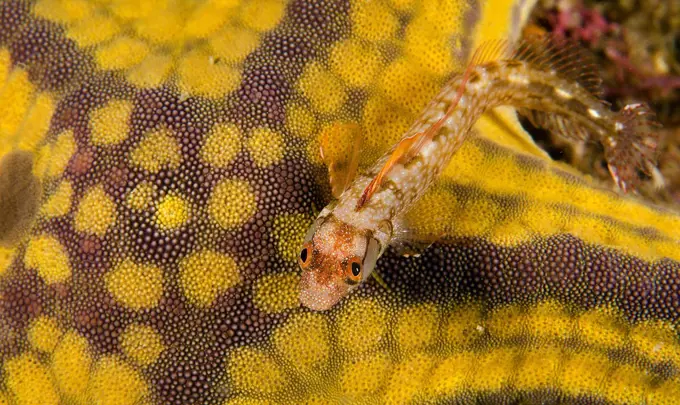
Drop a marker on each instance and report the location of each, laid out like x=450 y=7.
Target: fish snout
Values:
x=318 y=296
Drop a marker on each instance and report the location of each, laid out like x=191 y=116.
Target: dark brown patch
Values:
x=20 y=193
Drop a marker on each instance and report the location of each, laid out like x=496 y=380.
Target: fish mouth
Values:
x=316 y=296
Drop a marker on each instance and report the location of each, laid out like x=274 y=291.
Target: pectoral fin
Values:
x=340 y=146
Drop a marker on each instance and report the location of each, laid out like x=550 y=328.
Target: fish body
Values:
x=350 y=234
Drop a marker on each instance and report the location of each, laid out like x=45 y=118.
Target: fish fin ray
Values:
x=635 y=146
x=563 y=126
x=340 y=147
x=564 y=56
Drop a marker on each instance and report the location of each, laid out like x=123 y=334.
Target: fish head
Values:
x=335 y=258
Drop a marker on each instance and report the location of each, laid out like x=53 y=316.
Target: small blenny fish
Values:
x=548 y=81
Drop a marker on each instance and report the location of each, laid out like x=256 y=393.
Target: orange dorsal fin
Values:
x=566 y=57
x=409 y=147
x=401 y=151
x=340 y=144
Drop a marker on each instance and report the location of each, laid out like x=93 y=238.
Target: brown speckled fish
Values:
x=546 y=80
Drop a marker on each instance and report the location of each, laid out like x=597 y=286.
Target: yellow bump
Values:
x=585 y=374
x=254 y=371
x=430 y=49
x=416 y=327
x=486 y=209
x=71 y=363
x=63 y=11
x=199 y=74
x=289 y=232
x=5 y=64
x=4 y=398
x=361 y=325
x=300 y=121
x=312 y=151
x=137 y=286
x=157 y=150
x=303 y=341
x=15 y=99
x=435 y=212
x=6 y=258
x=116 y=383
x=232 y=203
x=93 y=30
x=207 y=18
x=373 y=20
x=42 y=161
x=595 y=230
x=510 y=232
x=355 y=62
x=221 y=145
x=627 y=385
x=205 y=275
x=49 y=257
x=29 y=381
x=464 y=326
x=248 y=401
x=141 y=197
x=134 y=9
x=407 y=86
x=59 y=203
x=262 y=15
x=276 y=293
x=160 y=27
x=324 y=91
x=402 y=5
x=266 y=147
x=538 y=369
x=152 y=72
x=109 y=124
x=507 y=322
x=61 y=153
x=494 y=369
x=545 y=220
x=37 y=123
x=450 y=375
x=172 y=212
x=407 y=378
x=657 y=340
x=44 y=333
x=447 y=17
x=665 y=394
x=142 y=344
x=234 y=43
x=469 y=163
x=123 y=53
x=385 y=123
x=549 y=320
x=603 y=326
x=372 y=369
x=96 y=212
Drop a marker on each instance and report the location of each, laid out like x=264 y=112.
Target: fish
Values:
x=548 y=80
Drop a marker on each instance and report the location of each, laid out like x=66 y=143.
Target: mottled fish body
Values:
x=551 y=86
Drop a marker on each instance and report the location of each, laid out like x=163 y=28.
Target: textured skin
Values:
x=179 y=173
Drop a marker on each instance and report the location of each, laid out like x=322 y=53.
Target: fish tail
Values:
x=634 y=147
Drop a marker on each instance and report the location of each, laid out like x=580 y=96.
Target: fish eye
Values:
x=305 y=257
x=354 y=269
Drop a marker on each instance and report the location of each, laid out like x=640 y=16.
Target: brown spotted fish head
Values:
x=335 y=258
